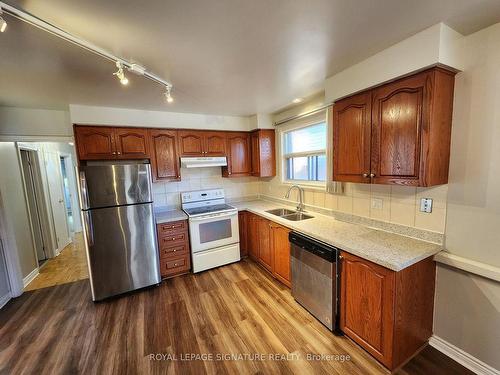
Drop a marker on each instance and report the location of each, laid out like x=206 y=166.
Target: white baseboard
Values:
x=28 y=279
x=462 y=357
x=5 y=299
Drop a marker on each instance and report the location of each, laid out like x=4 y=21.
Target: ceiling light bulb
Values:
x=120 y=74
x=3 y=23
x=168 y=94
x=297 y=100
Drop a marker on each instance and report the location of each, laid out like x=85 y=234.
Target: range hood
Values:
x=203 y=162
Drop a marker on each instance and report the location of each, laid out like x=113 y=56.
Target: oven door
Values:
x=211 y=231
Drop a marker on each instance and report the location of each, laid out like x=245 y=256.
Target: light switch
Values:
x=377 y=203
x=426 y=205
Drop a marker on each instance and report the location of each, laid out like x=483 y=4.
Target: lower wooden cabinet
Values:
x=173 y=247
x=281 y=253
x=388 y=313
x=243 y=231
x=267 y=243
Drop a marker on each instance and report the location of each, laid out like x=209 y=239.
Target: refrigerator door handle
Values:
x=84 y=190
x=88 y=227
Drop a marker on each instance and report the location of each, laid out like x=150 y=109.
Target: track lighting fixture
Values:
x=168 y=94
x=120 y=73
x=3 y=23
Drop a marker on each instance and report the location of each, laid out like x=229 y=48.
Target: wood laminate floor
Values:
x=70 y=265
x=233 y=310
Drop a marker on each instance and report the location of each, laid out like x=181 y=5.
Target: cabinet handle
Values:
x=114 y=152
x=365 y=175
x=175 y=264
x=119 y=153
x=174 y=250
x=173 y=238
x=372 y=175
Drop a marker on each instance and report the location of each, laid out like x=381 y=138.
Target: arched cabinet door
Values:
x=164 y=155
x=95 y=142
x=238 y=155
x=191 y=143
x=352 y=138
x=131 y=143
x=398 y=121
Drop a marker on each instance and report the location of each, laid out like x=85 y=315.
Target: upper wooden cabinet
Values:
x=352 y=138
x=100 y=143
x=263 y=153
x=238 y=155
x=398 y=133
x=131 y=143
x=164 y=155
x=202 y=143
x=386 y=312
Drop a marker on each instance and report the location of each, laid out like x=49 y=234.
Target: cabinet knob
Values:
x=119 y=153
x=365 y=175
x=372 y=175
x=114 y=152
x=173 y=238
x=174 y=250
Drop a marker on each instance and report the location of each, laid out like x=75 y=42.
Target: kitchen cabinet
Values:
x=265 y=246
x=268 y=245
x=281 y=253
x=202 y=143
x=173 y=247
x=388 y=313
x=398 y=133
x=103 y=143
x=238 y=155
x=243 y=231
x=164 y=155
x=95 y=142
x=263 y=160
x=253 y=235
x=131 y=143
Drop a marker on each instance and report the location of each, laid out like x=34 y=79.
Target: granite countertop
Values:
x=166 y=216
x=392 y=251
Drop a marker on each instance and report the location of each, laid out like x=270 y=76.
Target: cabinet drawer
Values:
x=174 y=251
x=172 y=227
x=173 y=240
x=170 y=267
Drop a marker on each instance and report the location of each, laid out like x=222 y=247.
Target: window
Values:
x=304 y=153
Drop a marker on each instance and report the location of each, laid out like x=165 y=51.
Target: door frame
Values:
x=27 y=147
x=68 y=163
x=9 y=244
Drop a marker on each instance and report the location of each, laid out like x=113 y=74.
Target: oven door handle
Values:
x=215 y=216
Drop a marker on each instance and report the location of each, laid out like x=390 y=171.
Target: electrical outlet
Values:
x=426 y=205
x=377 y=203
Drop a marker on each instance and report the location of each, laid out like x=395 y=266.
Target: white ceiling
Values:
x=234 y=57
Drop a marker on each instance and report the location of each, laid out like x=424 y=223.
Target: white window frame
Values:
x=304 y=123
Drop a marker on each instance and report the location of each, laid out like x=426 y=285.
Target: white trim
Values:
x=462 y=357
x=31 y=276
x=469 y=265
x=5 y=299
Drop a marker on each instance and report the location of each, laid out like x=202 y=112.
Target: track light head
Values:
x=3 y=23
x=168 y=94
x=120 y=74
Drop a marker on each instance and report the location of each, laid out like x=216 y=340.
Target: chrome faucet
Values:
x=300 y=206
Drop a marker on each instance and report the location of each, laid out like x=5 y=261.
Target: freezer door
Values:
x=106 y=185
x=122 y=250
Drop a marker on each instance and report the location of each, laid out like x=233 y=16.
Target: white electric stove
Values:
x=213 y=228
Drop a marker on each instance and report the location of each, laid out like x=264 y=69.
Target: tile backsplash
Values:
x=167 y=194
x=392 y=204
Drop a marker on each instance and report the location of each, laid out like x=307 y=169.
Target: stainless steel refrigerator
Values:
x=120 y=234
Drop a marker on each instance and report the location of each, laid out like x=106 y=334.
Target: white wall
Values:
x=34 y=122
x=89 y=115
x=467 y=307
x=434 y=45
x=15 y=208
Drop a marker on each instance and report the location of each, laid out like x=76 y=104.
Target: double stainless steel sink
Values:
x=291 y=215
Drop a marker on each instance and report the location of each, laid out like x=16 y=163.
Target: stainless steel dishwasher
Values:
x=315 y=278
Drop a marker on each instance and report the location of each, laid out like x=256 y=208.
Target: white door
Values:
x=54 y=179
